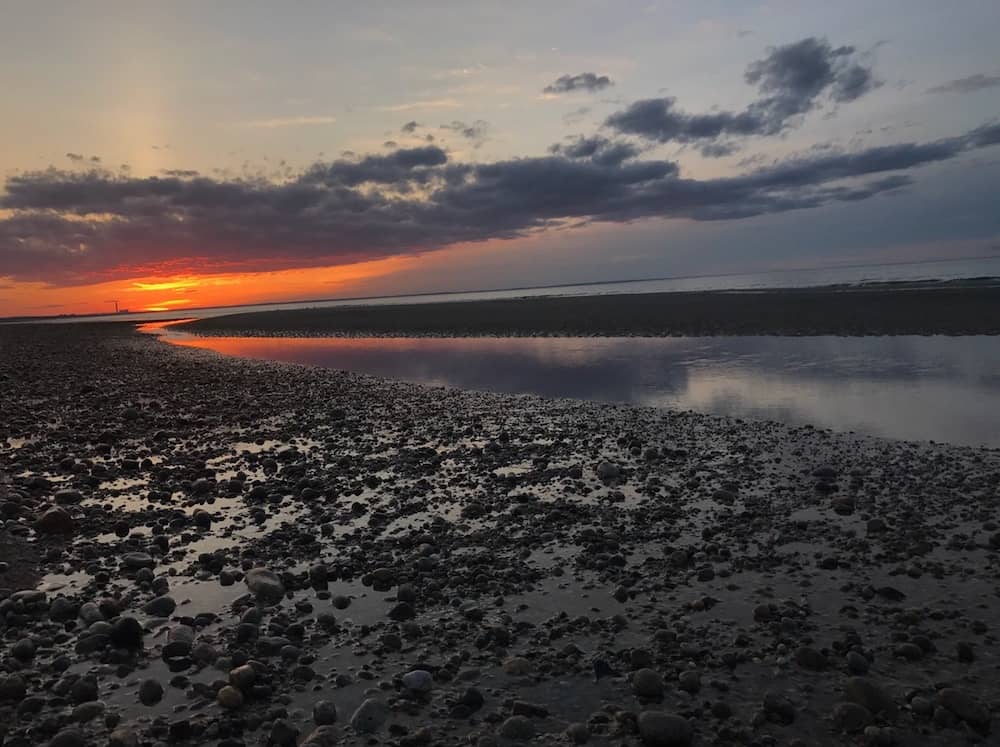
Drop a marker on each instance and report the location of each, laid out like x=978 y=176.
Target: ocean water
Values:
x=853 y=275
x=944 y=389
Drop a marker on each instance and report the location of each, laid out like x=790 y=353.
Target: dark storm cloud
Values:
x=589 y=82
x=970 y=84
x=791 y=81
x=70 y=227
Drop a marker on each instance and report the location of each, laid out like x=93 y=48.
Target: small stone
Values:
x=418 y=680
x=127 y=632
x=55 y=521
x=265 y=584
x=242 y=677
x=662 y=729
x=647 y=683
x=578 y=733
x=369 y=716
x=160 y=606
x=517 y=729
x=230 y=698
x=966 y=707
x=150 y=692
x=517 y=666
x=851 y=717
x=68 y=738
x=864 y=692
x=810 y=658
x=778 y=708
x=607 y=471
x=324 y=712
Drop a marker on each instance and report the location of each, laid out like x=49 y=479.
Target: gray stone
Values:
x=369 y=716
x=662 y=729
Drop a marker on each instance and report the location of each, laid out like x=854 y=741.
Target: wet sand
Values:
x=951 y=309
x=226 y=543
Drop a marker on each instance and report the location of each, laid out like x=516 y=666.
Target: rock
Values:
x=369 y=716
x=135 y=561
x=689 y=681
x=966 y=707
x=857 y=663
x=401 y=611
x=647 y=683
x=123 y=736
x=321 y=736
x=150 y=692
x=242 y=677
x=88 y=711
x=229 y=698
x=84 y=690
x=607 y=471
x=265 y=585
x=160 y=606
x=68 y=738
x=517 y=729
x=324 y=712
x=55 y=521
x=24 y=649
x=810 y=658
x=68 y=496
x=418 y=680
x=283 y=734
x=662 y=729
x=127 y=632
x=578 y=733
x=864 y=692
x=517 y=666
x=12 y=687
x=851 y=717
x=778 y=708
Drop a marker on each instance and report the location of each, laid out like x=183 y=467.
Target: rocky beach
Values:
x=210 y=551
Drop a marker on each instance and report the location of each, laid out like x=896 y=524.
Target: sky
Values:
x=177 y=155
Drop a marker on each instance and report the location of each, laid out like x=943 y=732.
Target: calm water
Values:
x=988 y=267
x=920 y=388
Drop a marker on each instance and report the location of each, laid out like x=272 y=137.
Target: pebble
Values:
x=369 y=716
x=662 y=729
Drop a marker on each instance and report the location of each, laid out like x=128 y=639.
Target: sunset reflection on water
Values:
x=921 y=388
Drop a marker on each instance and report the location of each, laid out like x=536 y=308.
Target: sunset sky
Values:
x=183 y=154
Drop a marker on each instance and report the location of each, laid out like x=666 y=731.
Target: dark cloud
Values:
x=182 y=173
x=589 y=82
x=791 y=81
x=74 y=156
x=598 y=149
x=71 y=227
x=476 y=131
x=970 y=84
x=410 y=126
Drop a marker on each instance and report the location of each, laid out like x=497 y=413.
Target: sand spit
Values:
x=236 y=552
x=946 y=310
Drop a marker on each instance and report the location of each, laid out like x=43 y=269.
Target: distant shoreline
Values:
x=899 y=309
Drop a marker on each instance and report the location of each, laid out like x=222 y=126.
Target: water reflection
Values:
x=923 y=388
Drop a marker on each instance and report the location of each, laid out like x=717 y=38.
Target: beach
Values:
x=949 y=309
x=241 y=552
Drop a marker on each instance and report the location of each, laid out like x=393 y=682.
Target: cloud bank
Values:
x=70 y=227
x=87 y=224
x=791 y=81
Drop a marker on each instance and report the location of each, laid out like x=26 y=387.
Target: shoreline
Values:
x=550 y=567
x=844 y=311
